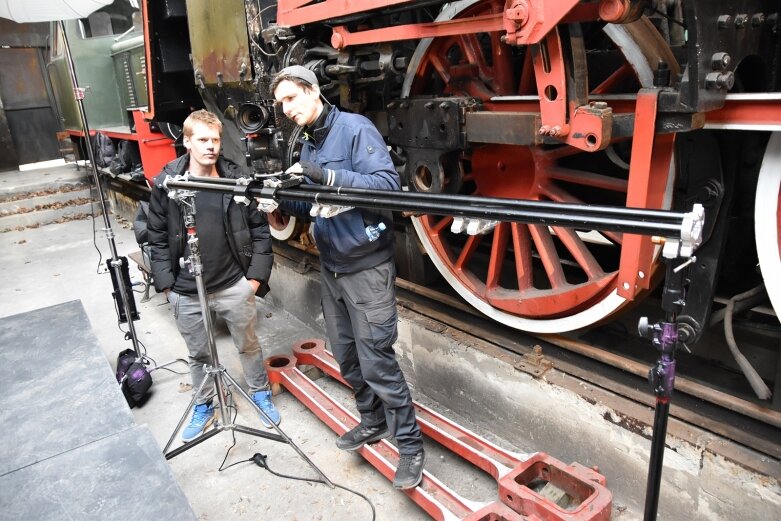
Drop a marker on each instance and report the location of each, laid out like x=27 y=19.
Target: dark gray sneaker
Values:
x=357 y=437
x=409 y=473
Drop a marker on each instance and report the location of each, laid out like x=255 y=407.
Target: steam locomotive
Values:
x=640 y=103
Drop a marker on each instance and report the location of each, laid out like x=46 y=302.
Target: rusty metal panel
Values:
x=34 y=132
x=219 y=41
x=29 y=116
x=8 y=159
x=506 y=128
x=21 y=83
x=14 y=34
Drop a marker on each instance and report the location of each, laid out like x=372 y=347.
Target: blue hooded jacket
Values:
x=350 y=146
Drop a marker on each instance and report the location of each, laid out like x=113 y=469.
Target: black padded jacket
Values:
x=247 y=230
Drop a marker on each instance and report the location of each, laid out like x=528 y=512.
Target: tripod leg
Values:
x=281 y=433
x=190 y=444
x=171 y=362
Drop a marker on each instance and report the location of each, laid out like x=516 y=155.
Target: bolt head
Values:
x=720 y=60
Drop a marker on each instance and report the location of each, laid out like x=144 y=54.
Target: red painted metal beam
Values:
x=514 y=472
x=433 y=496
x=477 y=450
x=298 y=12
x=478 y=24
x=648 y=175
x=746 y=112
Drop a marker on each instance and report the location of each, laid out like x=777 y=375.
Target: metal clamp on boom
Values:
x=267 y=196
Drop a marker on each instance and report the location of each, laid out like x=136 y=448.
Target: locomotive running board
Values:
x=513 y=472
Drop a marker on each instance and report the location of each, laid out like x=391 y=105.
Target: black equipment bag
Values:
x=133 y=377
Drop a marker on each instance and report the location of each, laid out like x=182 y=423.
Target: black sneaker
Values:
x=356 y=438
x=409 y=473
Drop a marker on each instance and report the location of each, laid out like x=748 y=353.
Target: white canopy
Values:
x=23 y=11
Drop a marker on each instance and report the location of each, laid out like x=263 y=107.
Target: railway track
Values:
x=731 y=425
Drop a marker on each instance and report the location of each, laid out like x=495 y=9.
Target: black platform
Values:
x=70 y=447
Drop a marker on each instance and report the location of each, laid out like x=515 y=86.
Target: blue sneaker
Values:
x=203 y=415
x=263 y=400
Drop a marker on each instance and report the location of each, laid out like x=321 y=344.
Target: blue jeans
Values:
x=236 y=305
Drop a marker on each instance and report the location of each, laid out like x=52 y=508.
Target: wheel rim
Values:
x=281 y=226
x=531 y=277
x=767 y=220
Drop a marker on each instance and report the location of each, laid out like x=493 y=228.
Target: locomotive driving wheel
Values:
x=767 y=220
x=531 y=277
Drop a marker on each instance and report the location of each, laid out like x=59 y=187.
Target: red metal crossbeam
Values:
x=291 y=13
x=433 y=496
x=746 y=112
x=514 y=472
x=477 y=24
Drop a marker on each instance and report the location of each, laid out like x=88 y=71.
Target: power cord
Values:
x=261 y=461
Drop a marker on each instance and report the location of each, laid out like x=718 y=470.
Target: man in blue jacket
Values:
x=235 y=247
x=357 y=269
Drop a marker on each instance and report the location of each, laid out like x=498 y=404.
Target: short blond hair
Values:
x=201 y=116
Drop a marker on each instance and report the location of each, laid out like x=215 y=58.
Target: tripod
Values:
x=216 y=371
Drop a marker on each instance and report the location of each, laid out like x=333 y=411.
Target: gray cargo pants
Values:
x=236 y=305
x=360 y=317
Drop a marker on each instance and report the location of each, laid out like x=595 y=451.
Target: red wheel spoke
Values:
x=440 y=224
x=496 y=262
x=442 y=67
x=610 y=82
x=580 y=252
x=548 y=255
x=466 y=253
x=523 y=255
x=527 y=84
x=554 y=193
x=503 y=67
x=581 y=177
x=474 y=55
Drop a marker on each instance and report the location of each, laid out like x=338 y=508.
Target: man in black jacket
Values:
x=235 y=248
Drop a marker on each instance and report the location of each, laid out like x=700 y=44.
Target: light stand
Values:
x=665 y=336
x=120 y=276
x=117 y=264
x=216 y=371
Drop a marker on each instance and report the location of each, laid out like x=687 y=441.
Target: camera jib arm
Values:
x=679 y=233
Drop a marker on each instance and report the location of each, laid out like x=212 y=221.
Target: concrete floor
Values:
x=57 y=263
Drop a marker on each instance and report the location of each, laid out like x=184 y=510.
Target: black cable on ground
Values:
x=260 y=460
